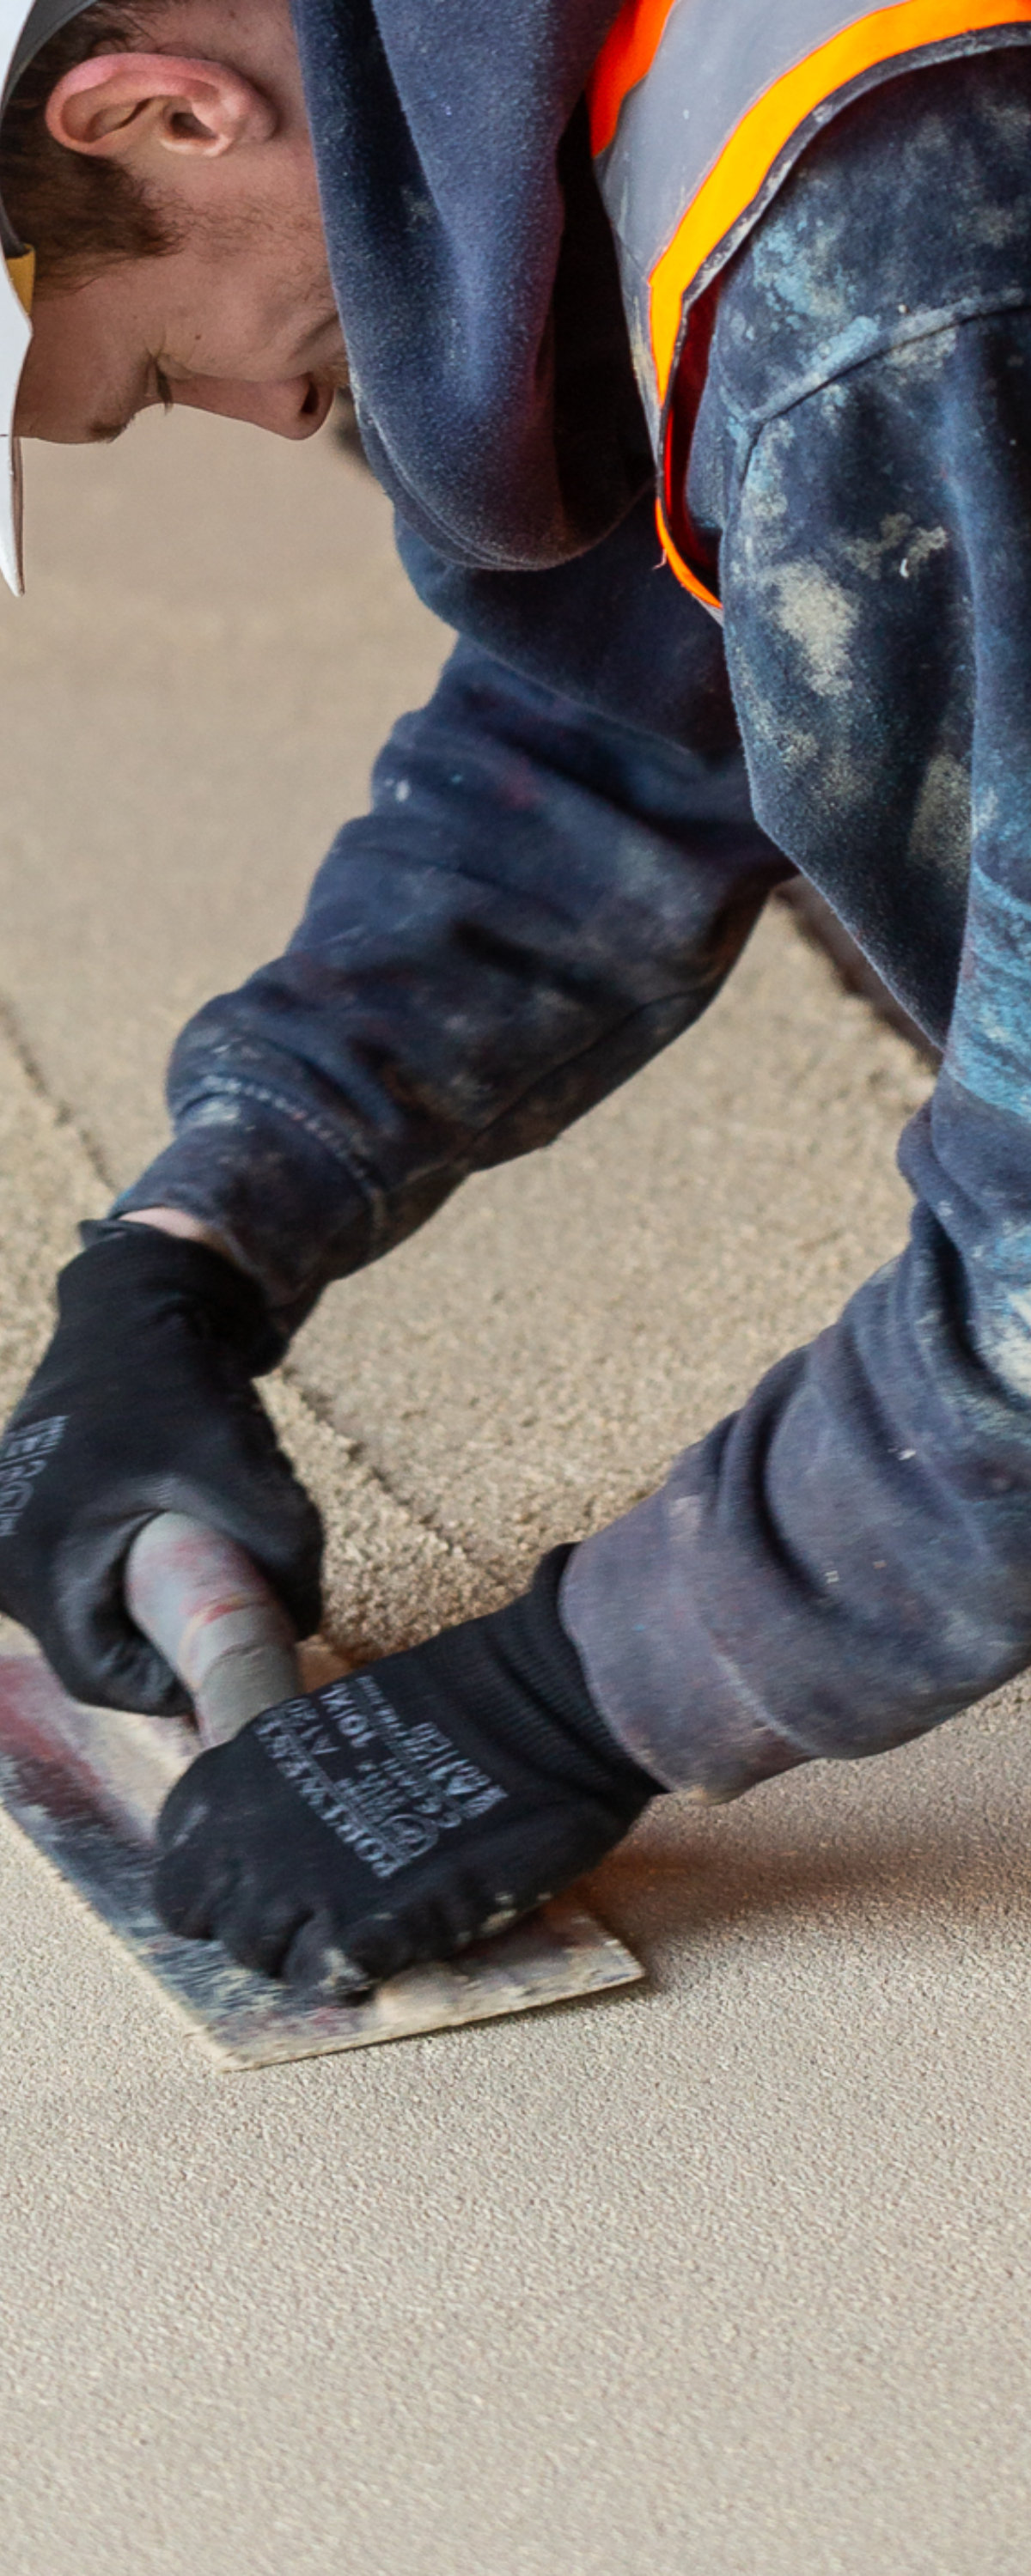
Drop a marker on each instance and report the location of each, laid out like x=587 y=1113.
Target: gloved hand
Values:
x=144 y=1404
x=393 y=1817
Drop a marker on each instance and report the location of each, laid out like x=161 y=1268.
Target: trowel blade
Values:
x=86 y=1785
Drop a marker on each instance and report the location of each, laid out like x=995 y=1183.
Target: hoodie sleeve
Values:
x=538 y=900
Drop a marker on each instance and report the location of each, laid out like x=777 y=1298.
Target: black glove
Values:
x=395 y=1816
x=144 y=1404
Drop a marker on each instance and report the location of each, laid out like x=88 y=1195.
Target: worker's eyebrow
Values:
x=105 y=432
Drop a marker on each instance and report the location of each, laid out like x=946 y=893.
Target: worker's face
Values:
x=248 y=331
x=239 y=318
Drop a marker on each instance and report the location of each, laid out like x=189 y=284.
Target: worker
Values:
x=692 y=344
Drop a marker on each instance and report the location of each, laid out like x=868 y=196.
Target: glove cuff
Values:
x=517 y=1677
x=532 y=1628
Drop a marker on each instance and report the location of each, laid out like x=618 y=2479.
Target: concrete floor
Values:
x=729 y=2274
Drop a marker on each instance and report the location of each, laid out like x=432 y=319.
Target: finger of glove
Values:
x=261 y=1503
x=124 y=1672
x=63 y=1575
x=446 y=1912
x=258 y=1936
x=319 y=1960
x=71 y=1600
x=192 y=1908
x=87 y=1461
x=194 y=1876
x=86 y=1632
x=333 y=1953
x=292 y=1561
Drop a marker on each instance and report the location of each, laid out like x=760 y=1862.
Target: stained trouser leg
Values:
x=847 y=1560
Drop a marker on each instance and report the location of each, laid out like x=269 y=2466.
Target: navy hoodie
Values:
x=560 y=862
x=474 y=269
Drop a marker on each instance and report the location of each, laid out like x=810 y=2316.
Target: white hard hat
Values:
x=23 y=29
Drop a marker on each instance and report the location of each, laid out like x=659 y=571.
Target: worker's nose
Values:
x=296 y=408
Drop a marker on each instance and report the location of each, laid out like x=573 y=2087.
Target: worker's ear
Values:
x=132 y=107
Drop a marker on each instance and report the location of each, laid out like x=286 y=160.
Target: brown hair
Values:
x=78 y=214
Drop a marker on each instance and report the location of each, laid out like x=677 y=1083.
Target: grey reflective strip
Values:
x=714 y=63
x=44 y=21
x=636 y=289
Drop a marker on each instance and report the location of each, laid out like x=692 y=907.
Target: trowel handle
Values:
x=199 y=1599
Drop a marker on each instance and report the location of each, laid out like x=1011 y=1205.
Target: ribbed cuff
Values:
x=286 y=1209
x=630 y=1600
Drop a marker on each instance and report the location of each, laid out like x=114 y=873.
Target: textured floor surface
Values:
x=727 y=2275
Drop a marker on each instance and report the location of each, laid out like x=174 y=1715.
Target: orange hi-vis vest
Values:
x=699 y=108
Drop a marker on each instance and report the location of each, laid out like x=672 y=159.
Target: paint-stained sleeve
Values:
x=536 y=902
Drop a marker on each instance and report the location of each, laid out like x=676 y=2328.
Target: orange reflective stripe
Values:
x=627 y=54
x=904 y=28
x=690 y=580
x=756 y=143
